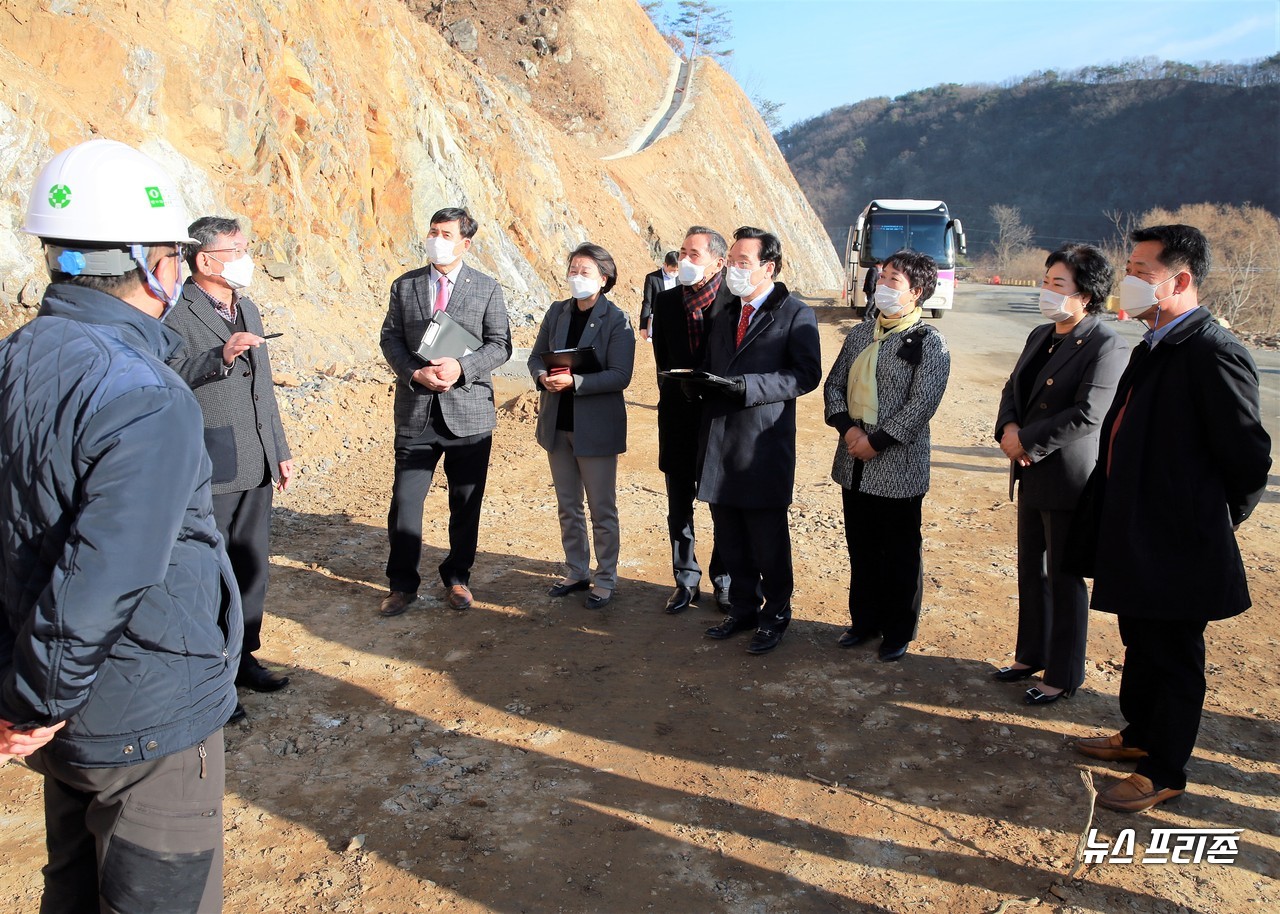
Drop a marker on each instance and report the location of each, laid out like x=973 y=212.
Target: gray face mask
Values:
x=1053 y=305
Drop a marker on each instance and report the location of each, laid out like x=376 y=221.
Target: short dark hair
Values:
x=1183 y=247
x=1092 y=272
x=921 y=270
x=770 y=246
x=466 y=225
x=672 y=259
x=715 y=241
x=206 y=231
x=603 y=260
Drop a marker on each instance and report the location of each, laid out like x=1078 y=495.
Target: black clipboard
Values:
x=705 y=378
x=445 y=338
x=582 y=360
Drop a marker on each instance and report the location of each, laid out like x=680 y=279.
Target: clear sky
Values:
x=814 y=55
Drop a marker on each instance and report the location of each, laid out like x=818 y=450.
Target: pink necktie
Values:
x=442 y=293
x=744 y=322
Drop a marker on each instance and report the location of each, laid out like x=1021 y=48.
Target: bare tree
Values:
x=707 y=27
x=769 y=112
x=1012 y=235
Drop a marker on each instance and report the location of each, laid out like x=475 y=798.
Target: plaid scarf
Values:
x=695 y=302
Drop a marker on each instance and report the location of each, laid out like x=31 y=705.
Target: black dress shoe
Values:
x=253 y=675
x=599 y=600
x=236 y=716
x=729 y=627
x=764 y=640
x=890 y=654
x=1034 y=696
x=682 y=599
x=1013 y=673
x=851 y=638
x=567 y=587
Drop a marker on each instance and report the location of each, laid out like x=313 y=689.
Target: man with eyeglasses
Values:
x=682 y=320
x=766 y=349
x=120 y=624
x=1183 y=460
x=226 y=361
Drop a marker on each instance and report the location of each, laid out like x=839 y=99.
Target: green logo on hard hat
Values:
x=59 y=196
x=156 y=198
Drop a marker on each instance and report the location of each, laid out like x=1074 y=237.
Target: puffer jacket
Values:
x=118 y=610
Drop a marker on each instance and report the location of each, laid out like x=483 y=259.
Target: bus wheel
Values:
x=937 y=314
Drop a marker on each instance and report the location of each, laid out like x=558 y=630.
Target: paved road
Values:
x=997 y=319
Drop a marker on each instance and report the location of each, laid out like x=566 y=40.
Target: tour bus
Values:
x=886 y=226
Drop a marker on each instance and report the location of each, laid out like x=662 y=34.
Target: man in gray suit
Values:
x=224 y=359
x=443 y=408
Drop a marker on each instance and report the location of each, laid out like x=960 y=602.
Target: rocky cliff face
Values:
x=335 y=129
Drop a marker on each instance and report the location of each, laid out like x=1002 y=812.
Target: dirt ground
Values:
x=532 y=755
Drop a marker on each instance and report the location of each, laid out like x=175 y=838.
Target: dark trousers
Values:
x=466 y=469
x=756 y=546
x=244 y=520
x=1053 y=606
x=886 y=566
x=682 y=492
x=1162 y=694
x=142 y=839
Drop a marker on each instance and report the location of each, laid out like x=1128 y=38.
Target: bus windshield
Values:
x=887 y=232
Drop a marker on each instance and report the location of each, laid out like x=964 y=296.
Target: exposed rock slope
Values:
x=336 y=128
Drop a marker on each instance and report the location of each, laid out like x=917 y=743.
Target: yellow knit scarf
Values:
x=863 y=400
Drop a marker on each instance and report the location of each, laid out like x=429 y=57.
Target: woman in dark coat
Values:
x=1050 y=413
x=582 y=419
x=882 y=391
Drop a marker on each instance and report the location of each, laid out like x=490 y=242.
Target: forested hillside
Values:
x=1066 y=152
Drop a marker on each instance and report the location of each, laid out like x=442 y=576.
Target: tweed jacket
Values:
x=476 y=303
x=242 y=425
x=599 y=410
x=1060 y=415
x=911 y=376
x=747 y=448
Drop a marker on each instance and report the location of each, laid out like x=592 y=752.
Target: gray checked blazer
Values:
x=241 y=418
x=911 y=377
x=476 y=303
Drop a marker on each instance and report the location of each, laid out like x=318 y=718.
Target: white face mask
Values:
x=440 y=250
x=1053 y=305
x=738 y=279
x=1137 y=296
x=237 y=273
x=581 y=287
x=690 y=272
x=888 y=301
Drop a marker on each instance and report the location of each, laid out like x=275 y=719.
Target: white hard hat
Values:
x=104 y=191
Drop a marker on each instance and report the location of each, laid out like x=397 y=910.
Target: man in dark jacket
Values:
x=120 y=625
x=767 y=347
x=225 y=360
x=683 y=318
x=1183 y=459
x=655 y=283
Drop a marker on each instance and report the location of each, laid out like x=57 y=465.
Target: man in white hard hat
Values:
x=120 y=623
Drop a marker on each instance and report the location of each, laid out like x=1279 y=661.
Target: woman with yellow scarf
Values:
x=882 y=391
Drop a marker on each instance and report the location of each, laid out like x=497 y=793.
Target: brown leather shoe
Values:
x=459 y=597
x=1136 y=793
x=1109 y=749
x=396 y=602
